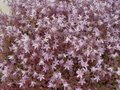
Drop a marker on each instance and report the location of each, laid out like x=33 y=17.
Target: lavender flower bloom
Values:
x=61 y=45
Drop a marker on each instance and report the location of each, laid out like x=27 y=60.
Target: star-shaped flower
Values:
x=80 y=73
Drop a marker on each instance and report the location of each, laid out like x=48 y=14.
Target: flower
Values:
x=40 y=77
x=97 y=78
x=82 y=81
x=68 y=65
x=35 y=74
x=35 y=45
x=52 y=1
x=21 y=84
x=118 y=71
x=67 y=40
x=46 y=47
x=25 y=38
x=57 y=75
x=41 y=62
x=65 y=84
x=78 y=88
x=55 y=46
x=51 y=85
x=80 y=73
x=33 y=84
x=11 y=57
x=84 y=64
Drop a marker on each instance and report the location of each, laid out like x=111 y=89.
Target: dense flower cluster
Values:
x=60 y=45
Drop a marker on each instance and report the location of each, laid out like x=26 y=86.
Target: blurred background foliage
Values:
x=3 y=7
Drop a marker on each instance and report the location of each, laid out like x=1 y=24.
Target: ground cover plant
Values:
x=60 y=45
